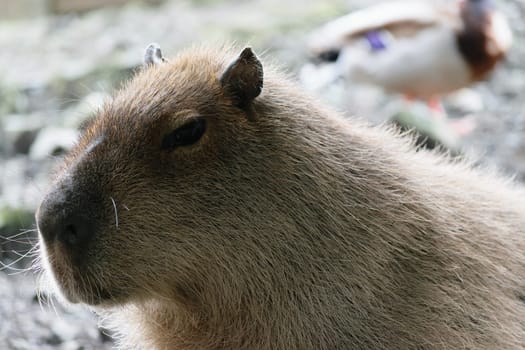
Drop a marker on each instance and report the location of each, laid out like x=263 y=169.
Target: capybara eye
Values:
x=186 y=135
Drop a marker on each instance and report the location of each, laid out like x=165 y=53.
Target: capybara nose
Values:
x=59 y=222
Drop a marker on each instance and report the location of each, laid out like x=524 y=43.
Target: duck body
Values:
x=420 y=48
x=435 y=68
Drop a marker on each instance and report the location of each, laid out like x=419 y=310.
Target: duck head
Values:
x=485 y=36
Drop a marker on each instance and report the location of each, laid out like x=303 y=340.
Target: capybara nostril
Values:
x=76 y=232
x=70 y=235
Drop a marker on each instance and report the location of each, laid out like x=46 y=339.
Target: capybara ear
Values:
x=153 y=55
x=243 y=79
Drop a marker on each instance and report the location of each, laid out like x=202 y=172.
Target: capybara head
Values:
x=169 y=183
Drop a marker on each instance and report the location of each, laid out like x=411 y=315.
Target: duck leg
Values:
x=433 y=103
x=462 y=126
x=436 y=107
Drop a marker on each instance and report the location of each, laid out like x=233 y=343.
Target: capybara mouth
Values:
x=82 y=287
x=77 y=283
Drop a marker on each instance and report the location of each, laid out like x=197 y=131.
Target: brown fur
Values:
x=294 y=229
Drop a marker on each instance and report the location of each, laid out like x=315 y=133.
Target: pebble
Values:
x=52 y=141
x=465 y=101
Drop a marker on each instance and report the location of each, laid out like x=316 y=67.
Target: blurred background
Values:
x=59 y=60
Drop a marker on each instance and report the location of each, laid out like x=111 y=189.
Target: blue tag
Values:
x=375 y=40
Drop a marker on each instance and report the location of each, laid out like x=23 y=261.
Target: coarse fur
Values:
x=292 y=229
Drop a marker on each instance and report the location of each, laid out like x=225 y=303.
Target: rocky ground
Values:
x=55 y=71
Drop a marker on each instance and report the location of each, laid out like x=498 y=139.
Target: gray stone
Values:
x=465 y=101
x=20 y=131
x=52 y=141
x=22 y=143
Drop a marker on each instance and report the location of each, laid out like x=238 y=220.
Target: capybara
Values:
x=203 y=210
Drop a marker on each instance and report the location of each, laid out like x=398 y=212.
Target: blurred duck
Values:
x=421 y=49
